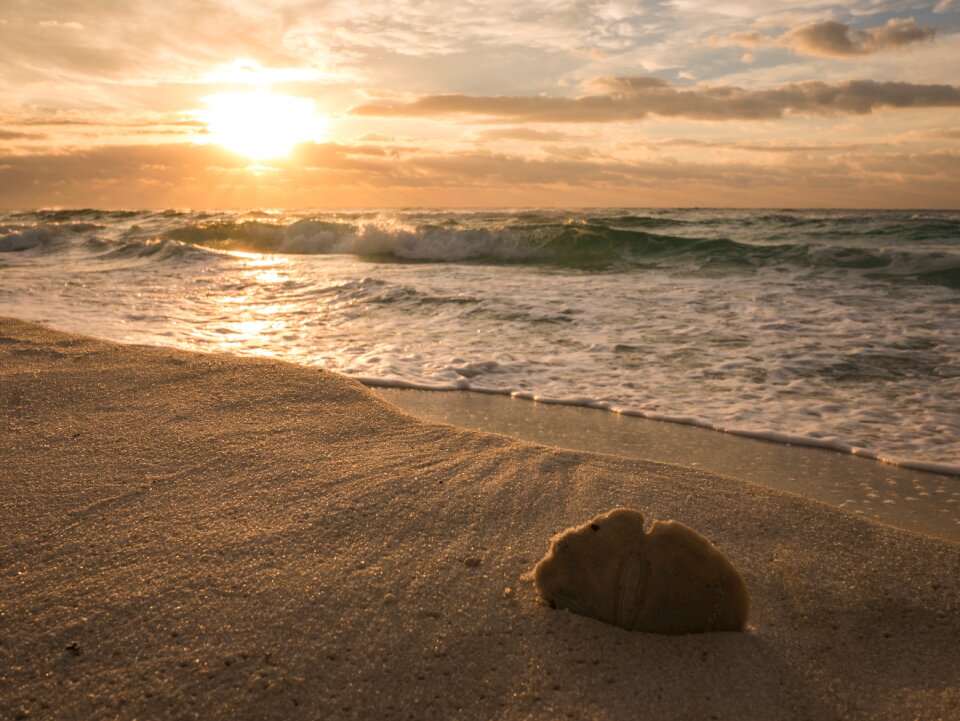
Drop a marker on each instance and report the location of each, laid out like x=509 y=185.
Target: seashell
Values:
x=670 y=580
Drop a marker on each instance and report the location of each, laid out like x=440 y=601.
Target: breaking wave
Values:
x=925 y=250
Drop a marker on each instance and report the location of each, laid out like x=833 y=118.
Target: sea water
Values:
x=831 y=328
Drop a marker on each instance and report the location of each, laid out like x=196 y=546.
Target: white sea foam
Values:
x=757 y=336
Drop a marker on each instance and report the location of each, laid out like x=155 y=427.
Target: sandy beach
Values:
x=205 y=536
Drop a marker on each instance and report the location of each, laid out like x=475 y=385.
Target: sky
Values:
x=493 y=103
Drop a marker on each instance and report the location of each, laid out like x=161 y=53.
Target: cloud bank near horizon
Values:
x=336 y=175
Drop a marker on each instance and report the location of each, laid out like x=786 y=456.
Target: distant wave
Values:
x=587 y=245
x=51 y=238
x=156 y=249
x=63 y=216
x=16 y=238
x=900 y=247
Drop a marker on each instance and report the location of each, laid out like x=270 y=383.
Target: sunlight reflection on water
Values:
x=777 y=344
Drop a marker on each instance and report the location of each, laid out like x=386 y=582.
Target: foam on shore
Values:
x=204 y=536
x=793 y=439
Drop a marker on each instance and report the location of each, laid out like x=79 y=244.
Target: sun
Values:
x=259 y=124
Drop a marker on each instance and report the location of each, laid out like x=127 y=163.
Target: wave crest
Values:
x=891 y=249
x=17 y=238
x=587 y=244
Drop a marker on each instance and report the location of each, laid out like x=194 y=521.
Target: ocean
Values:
x=838 y=329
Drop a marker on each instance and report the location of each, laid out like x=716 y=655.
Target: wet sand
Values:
x=204 y=536
x=928 y=503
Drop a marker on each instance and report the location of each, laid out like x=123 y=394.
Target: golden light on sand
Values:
x=260 y=124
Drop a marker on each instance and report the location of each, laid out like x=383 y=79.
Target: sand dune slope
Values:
x=196 y=536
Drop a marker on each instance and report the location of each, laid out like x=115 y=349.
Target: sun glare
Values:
x=259 y=124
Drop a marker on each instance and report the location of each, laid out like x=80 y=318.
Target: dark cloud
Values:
x=17 y=135
x=634 y=98
x=829 y=38
x=835 y=39
x=759 y=147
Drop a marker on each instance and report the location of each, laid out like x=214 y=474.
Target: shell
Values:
x=670 y=580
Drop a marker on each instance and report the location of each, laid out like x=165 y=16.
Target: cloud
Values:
x=934 y=134
x=546 y=136
x=137 y=56
x=949 y=133
x=17 y=135
x=63 y=25
x=187 y=175
x=635 y=98
x=829 y=38
x=833 y=39
x=757 y=147
x=104 y=122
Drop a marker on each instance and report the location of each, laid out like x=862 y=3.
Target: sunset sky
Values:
x=286 y=103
